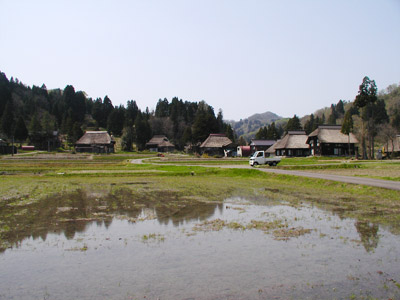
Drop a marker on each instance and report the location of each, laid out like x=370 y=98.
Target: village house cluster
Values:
x=326 y=140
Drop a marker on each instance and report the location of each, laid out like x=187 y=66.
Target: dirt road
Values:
x=387 y=184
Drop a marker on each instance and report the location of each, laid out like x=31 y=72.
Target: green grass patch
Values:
x=121 y=157
x=322 y=167
x=204 y=162
x=294 y=161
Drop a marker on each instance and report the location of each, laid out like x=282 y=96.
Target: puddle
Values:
x=91 y=245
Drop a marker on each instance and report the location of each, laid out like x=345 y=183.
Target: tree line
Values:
x=34 y=114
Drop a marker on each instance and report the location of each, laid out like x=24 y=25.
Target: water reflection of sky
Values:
x=111 y=259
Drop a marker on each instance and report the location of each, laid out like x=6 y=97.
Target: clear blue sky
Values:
x=244 y=57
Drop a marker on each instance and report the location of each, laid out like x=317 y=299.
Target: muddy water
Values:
x=84 y=246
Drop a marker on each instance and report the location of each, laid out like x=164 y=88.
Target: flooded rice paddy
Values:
x=96 y=245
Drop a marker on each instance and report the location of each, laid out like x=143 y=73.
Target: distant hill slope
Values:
x=248 y=127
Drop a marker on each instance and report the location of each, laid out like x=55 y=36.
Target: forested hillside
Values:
x=34 y=113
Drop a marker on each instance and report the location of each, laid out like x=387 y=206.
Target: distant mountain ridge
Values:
x=267 y=117
x=248 y=127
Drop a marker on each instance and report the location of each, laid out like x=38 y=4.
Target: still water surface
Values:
x=311 y=254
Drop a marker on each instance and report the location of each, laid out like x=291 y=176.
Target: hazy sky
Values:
x=244 y=57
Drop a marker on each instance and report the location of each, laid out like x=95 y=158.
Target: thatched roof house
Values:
x=96 y=142
x=328 y=140
x=216 y=144
x=160 y=143
x=292 y=144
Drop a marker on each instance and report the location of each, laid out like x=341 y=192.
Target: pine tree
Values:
x=20 y=132
x=333 y=116
x=131 y=112
x=365 y=99
x=115 y=121
x=97 y=112
x=127 y=139
x=75 y=133
x=5 y=92
x=35 y=131
x=373 y=115
x=293 y=124
x=187 y=135
x=7 y=120
x=347 y=127
x=142 y=131
x=47 y=124
x=273 y=133
x=107 y=109
x=309 y=125
x=162 y=108
x=229 y=133
x=242 y=141
x=220 y=122
x=204 y=123
x=34 y=125
x=340 y=108
x=260 y=135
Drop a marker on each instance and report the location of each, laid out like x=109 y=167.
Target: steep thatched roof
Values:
x=272 y=149
x=95 y=137
x=216 y=141
x=293 y=140
x=332 y=134
x=159 y=141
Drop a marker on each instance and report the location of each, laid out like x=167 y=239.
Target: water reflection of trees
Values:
x=186 y=212
x=71 y=213
x=368 y=234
